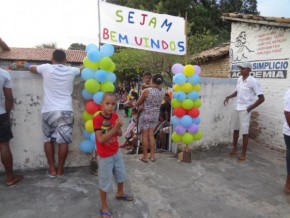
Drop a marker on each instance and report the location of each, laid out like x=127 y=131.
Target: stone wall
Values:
x=216 y=68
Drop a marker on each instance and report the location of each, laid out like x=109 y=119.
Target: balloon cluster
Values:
x=186 y=103
x=99 y=78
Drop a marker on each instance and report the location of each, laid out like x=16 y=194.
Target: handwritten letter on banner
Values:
x=141 y=29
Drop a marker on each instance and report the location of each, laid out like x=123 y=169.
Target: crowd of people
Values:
x=154 y=109
x=149 y=111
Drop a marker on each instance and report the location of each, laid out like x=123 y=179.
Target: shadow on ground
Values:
x=213 y=185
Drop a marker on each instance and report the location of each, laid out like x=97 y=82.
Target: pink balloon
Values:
x=197 y=69
x=177 y=68
x=193 y=128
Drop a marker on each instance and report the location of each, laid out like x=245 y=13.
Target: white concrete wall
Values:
x=27 y=145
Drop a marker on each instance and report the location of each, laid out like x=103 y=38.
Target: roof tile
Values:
x=37 y=54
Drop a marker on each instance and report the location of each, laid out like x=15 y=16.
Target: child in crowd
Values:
x=107 y=126
x=147 y=76
x=129 y=131
x=130 y=103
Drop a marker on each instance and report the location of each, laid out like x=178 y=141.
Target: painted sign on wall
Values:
x=266 y=47
x=141 y=29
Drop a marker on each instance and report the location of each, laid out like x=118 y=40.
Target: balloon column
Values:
x=99 y=78
x=186 y=103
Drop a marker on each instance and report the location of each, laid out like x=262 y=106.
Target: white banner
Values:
x=141 y=29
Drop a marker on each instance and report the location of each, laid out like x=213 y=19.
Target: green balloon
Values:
x=89 y=64
x=198 y=135
x=187 y=104
x=107 y=64
x=197 y=103
x=86 y=116
x=175 y=103
x=107 y=87
x=176 y=137
x=187 y=138
x=92 y=85
x=112 y=67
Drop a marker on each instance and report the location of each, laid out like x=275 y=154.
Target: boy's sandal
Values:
x=105 y=214
x=125 y=197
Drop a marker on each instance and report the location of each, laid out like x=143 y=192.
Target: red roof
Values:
x=37 y=54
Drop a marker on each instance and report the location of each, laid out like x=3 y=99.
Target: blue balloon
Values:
x=93 y=137
x=180 y=96
x=101 y=75
x=193 y=95
x=195 y=79
x=175 y=120
x=87 y=74
x=186 y=121
x=91 y=46
x=98 y=97
x=87 y=95
x=86 y=134
x=107 y=50
x=94 y=55
x=87 y=146
x=196 y=120
x=111 y=77
x=179 y=78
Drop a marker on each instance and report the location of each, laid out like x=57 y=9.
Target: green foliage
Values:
x=51 y=45
x=77 y=46
x=132 y=63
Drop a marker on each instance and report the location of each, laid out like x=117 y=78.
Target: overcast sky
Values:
x=27 y=23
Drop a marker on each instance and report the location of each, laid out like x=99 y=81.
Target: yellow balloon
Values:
x=196 y=87
x=188 y=70
x=186 y=87
x=95 y=114
x=177 y=88
x=89 y=126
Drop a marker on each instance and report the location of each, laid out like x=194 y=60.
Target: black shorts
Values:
x=5 y=128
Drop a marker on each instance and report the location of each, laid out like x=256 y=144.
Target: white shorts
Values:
x=241 y=121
